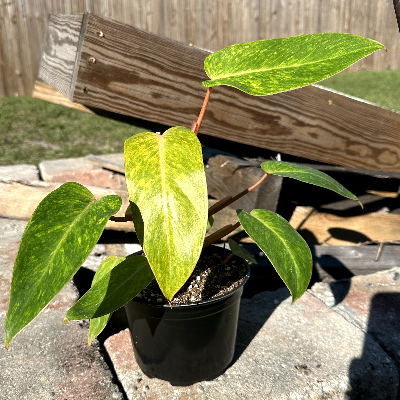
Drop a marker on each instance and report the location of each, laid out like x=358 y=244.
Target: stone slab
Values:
x=370 y=302
x=55 y=361
x=23 y=173
x=83 y=171
x=11 y=231
x=50 y=361
x=300 y=351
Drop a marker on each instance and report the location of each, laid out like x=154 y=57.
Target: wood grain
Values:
x=331 y=261
x=46 y=92
x=336 y=262
x=333 y=230
x=225 y=176
x=139 y=74
x=60 y=51
x=20 y=201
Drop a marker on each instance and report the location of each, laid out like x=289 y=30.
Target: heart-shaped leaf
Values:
x=271 y=66
x=118 y=286
x=166 y=180
x=98 y=324
x=284 y=247
x=58 y=238
x=240 y=251
x=306 y=174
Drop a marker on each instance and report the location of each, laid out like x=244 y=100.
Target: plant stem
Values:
x=219 y=205
x=220 y=233
x=202 y=111
x=227 y=258
x=128 y=217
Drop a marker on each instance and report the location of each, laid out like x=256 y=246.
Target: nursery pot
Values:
x=186 y=343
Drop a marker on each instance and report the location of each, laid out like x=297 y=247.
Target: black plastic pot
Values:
x=188 y=343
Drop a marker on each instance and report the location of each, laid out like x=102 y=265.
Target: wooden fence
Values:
x=210 y=24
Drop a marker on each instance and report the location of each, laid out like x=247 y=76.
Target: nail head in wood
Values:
x=92 y=60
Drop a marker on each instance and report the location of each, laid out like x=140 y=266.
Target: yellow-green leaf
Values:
x=120 y=284
x=307 y=175
x=98 y=324
x=275 y=65
x=166 y=180
x=58 y=238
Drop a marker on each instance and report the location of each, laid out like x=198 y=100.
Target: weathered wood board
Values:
x=45 y=92
x=20 y=201
x=125 y=70
x=226 y=177
x=338 y=262
x=345 y=261
x=325 y=228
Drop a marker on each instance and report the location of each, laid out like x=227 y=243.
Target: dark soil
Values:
x=210 y=278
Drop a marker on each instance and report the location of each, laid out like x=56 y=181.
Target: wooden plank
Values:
x=57 y=66
x=396 y=4
x=20 y=201
x=225 y=177
x=46 y=92
x=319 y=228
x=140 y=74
x=346 y=204
x=338 y=262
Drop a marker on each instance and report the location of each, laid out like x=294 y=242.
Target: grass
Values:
x=33 y=130
x=379 y=87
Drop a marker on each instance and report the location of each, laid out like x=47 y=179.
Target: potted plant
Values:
x=169 y=208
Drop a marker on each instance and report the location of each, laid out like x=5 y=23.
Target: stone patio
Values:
x=339 y=341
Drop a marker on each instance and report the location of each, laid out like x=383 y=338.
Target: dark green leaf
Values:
x=137 y=222
x=271 y=66
x=306 y=174
x=240 y=251
x=98 y=324
x=284 y=247
x=210 y=222
x=118 y=286
x=58 y=238
x=166 y=180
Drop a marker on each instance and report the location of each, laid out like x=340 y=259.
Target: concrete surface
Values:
x=339 y=341
x=23 y=173
x=48 y=360
x=369 y=302
x=284 y=351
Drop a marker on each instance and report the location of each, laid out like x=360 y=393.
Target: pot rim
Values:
x=195 y=303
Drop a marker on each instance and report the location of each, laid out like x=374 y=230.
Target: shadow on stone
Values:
x=340 y=289
x=383 y=328
x=253 y=318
